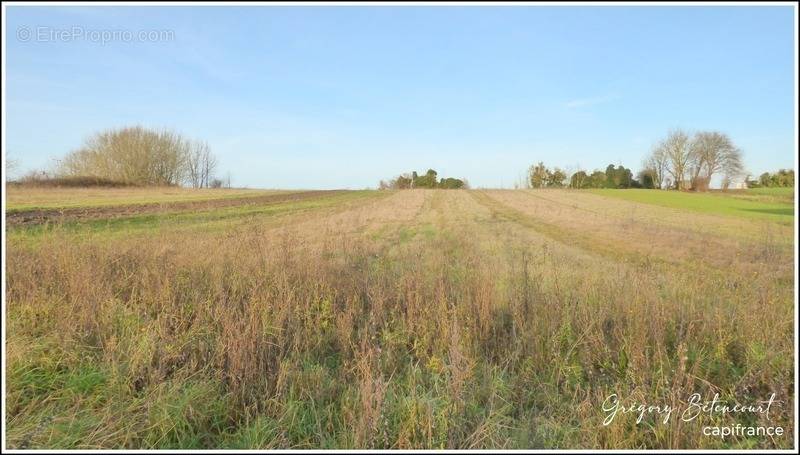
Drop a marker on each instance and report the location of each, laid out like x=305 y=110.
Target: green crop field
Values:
x=393 y=319
x=776 y=204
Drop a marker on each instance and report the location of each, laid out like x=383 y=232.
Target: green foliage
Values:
x=185 y=415
x=451 y=183
x=784 y=178
x=597 y=180
x=613 y=177
x=555 y=178
x=647 y=179
x=429 y=180
x=618 y=177
x=537 y=175
x=579 y=180
x=426 y=181
x=402 y=182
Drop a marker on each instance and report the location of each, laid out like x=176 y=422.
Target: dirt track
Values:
x=40 y=216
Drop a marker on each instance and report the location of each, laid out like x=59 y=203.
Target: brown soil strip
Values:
x=40 y=216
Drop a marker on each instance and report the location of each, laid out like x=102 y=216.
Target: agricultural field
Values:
x=25 y=198
x=775 y=204
x=394 y=319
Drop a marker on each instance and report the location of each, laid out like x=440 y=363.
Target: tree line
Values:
x=143 y=156
x=428 y=180
x=781 y=179
x=678 y=161
x=540 y=176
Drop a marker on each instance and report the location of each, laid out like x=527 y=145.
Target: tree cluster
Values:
x=782 y=179
x=144 y=157
x=427 y=180
x=540 y=176
x=685 y=162
x=680 y=161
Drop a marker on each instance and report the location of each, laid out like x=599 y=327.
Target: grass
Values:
x=767 y=195
x=775 y=204
x=411 y=319
x=788 y=191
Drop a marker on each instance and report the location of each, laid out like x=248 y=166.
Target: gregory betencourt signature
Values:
x=694 y=407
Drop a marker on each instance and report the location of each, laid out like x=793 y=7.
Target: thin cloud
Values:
x=592 y=101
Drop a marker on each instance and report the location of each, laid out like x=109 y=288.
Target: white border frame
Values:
x=401 y=4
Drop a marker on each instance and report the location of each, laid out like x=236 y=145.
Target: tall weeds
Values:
x=452 y=338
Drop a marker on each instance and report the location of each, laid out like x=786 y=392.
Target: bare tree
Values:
x=166 y=160
x=713 y=152
x=200 y=165
x=208 y=164
x=658 y=163
x=193 y=165
x=12 y=166
x=679 y=157
x=726 y=183
x=733 y=164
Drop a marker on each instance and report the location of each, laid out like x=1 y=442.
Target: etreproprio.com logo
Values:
x=43 y=34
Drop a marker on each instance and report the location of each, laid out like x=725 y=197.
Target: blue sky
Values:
x=326 y=97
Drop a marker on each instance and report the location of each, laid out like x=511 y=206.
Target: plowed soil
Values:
x=40 y=216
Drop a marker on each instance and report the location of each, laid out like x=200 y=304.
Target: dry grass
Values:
x=423 y=319
x=20 y=197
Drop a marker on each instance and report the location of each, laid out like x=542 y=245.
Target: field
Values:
x=774 y=204
x=29 y=198
x=394 y=319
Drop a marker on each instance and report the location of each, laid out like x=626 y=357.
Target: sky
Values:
x=342 y=97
